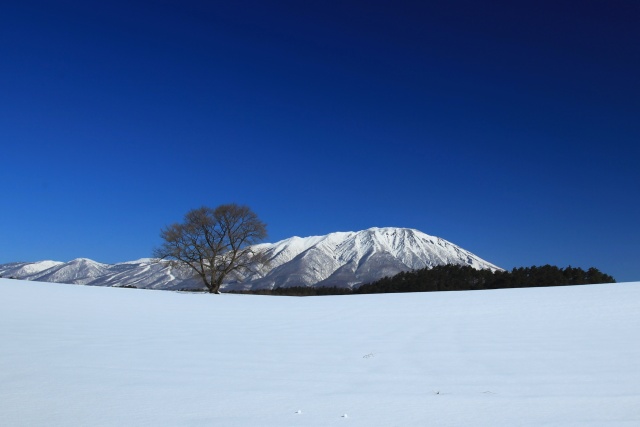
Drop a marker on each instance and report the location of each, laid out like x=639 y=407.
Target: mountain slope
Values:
x=347 y=259
x=343 y=259
x=145 y=273
x=26 y=270
x=79 y=271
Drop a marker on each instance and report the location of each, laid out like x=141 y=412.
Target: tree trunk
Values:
x=215 y=288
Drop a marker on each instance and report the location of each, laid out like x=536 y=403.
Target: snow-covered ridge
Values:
x=146 y=273
x=348 y=259
x=26 y=269
x=344 y=259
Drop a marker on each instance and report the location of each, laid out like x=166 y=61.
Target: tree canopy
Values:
x=215 y=243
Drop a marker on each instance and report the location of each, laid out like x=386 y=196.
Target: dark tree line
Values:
x=464 y=278
x=458 y=278
x=299 y=291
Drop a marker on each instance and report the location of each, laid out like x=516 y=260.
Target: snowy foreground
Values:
x=86 y=356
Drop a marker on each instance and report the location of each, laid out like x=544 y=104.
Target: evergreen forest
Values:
x=456 y=278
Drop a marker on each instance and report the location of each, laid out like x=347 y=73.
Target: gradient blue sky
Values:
x=509 y=128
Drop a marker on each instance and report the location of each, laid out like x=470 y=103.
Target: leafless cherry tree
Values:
x=215 y=243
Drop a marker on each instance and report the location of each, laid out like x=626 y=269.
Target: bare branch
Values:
x=215 y=243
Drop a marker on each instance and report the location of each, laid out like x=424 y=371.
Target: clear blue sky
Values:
x=510 y=128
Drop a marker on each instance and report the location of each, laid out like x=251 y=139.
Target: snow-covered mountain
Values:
x=145 y=273
x=21 y=270
x=344 y=259
x=347 y=259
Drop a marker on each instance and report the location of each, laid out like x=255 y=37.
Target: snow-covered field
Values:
x=86 y=356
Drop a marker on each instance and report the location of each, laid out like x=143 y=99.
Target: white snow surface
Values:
x=91 y=356
x=343 y=259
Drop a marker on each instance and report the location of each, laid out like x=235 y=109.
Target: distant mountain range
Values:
x=343 y=259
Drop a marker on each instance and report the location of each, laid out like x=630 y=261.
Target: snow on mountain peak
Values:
x=348 y=259
x=343 y=259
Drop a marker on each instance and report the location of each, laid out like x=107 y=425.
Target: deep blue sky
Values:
x=510 y=128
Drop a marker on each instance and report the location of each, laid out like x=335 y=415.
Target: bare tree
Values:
x=215 y=243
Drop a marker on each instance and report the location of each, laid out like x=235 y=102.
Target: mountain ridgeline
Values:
x=349 y=259
x=373 y=260
x=343 y=260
